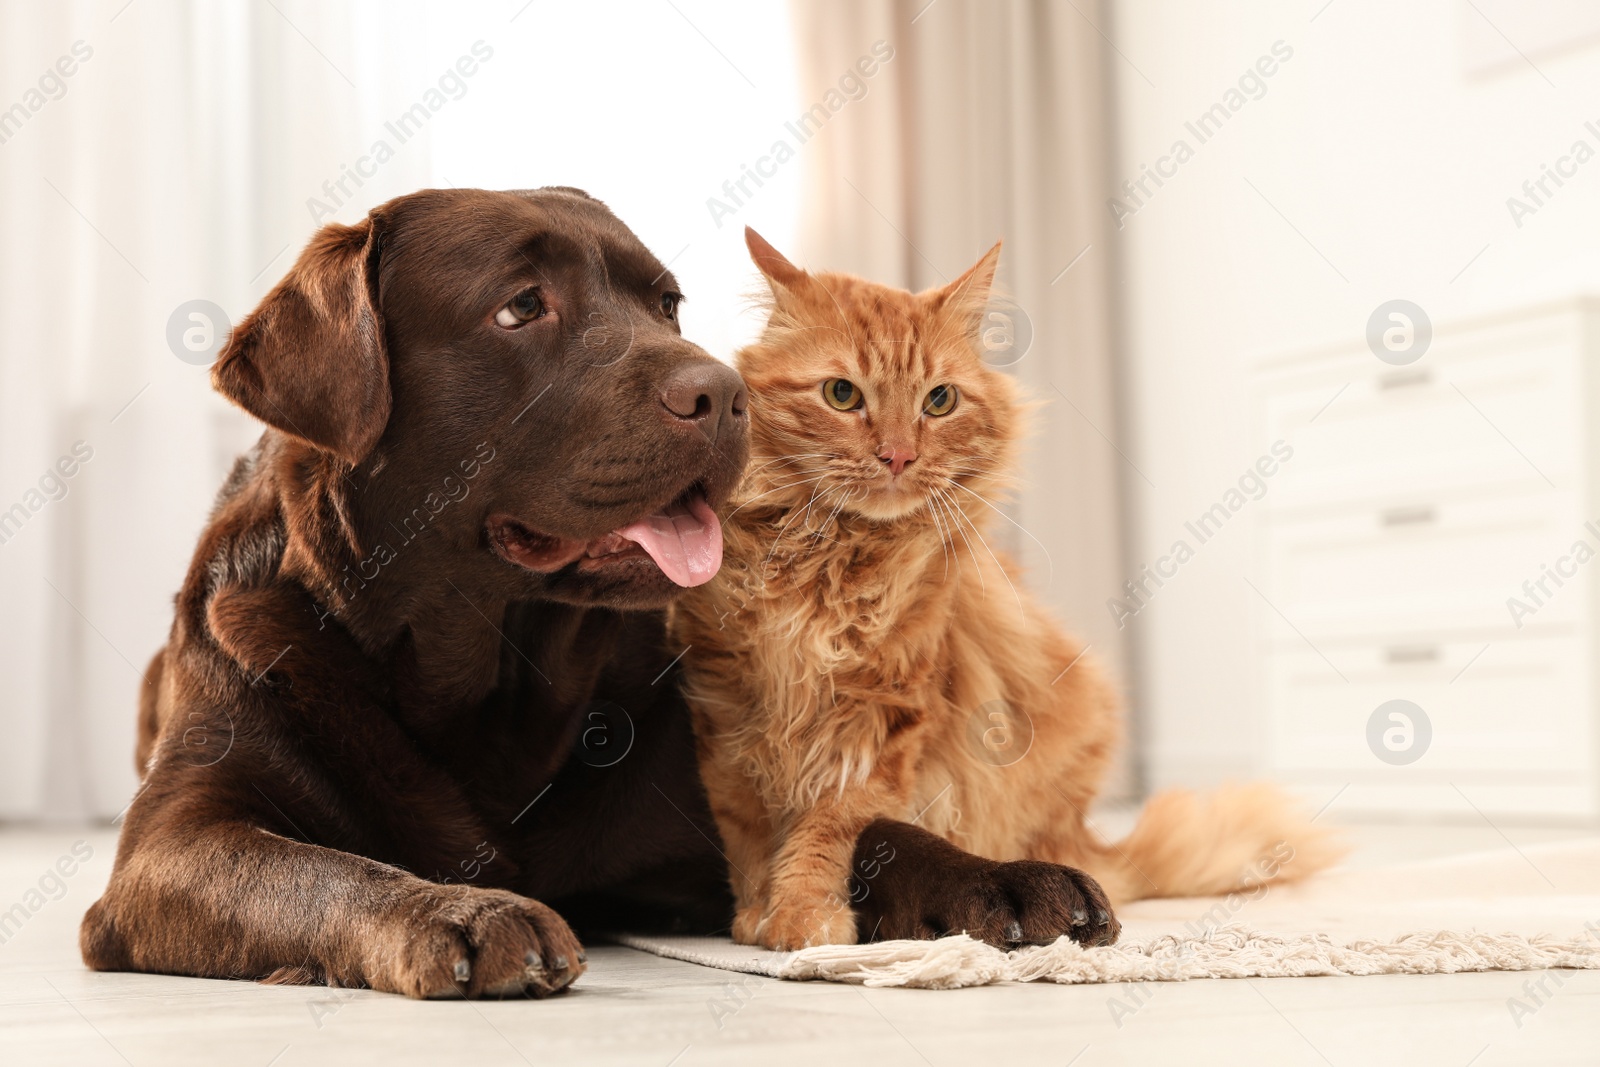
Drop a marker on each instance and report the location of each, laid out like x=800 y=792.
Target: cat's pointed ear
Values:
x=779 y=272
x=966 y=298
x=311 y=359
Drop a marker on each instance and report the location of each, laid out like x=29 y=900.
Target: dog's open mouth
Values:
x=684 y=539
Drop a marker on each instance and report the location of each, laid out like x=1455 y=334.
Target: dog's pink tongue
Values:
x=685 y=542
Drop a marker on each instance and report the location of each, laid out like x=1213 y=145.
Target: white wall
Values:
x=1390 y=141
x=652 y=108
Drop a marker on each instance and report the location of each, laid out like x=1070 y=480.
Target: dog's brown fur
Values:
x=360 y=747
x=868 y=651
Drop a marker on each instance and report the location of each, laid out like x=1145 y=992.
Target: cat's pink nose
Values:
x=898 y=459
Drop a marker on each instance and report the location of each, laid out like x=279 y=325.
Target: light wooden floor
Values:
x=637 y=1009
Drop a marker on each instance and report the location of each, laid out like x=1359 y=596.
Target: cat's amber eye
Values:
x=941 y=400
x=842 y=394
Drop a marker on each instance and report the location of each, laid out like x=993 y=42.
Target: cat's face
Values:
x=872 y=400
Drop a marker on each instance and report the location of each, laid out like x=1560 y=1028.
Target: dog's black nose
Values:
x=702 y=393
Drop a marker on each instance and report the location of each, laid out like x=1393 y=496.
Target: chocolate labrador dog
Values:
x=417 y=680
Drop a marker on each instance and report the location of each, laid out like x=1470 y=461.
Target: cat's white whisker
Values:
x=806 y=524
x=821 y=531
x=946 y=535
x=1050 y=575
x=976 y=563
x=776 y=488
x=776 y=541
x=802 y=474
x=787 y=459
x=933 y=513
x=1000 y=566
x=948 y=532
x=833 y=516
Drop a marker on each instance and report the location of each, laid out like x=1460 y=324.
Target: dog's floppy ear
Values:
x=311 y=359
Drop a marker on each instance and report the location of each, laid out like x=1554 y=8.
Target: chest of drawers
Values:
x=1423 y=545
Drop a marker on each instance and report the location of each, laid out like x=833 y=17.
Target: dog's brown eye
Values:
x=941 y=400
x=842 y=394
x=669 y=304
x=524 y=307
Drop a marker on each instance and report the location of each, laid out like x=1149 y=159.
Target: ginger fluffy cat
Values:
x=865 y=652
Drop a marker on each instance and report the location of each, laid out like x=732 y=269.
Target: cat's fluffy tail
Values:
x=1238 y=837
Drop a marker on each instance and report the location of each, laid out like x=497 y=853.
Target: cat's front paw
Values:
x=795 y=925
x=745 y=923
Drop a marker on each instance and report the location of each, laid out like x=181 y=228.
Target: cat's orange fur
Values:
x=865 y=650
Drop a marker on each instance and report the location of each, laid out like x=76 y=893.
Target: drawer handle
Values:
x=1411 y=654
x=1415 y=515
x=1405 y=379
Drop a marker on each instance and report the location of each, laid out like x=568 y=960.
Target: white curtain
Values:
x=174 y=163
x=992 y=120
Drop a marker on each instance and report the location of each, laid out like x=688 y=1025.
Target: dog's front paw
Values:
x=912 y=884
x=457 y=941
x=1030 y=902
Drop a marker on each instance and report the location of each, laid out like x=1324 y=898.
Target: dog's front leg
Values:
x=197 y=892
x=268 y=837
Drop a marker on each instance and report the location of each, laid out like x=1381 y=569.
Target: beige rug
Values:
x=1509 y=910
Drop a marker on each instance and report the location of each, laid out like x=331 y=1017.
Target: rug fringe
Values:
x=1232 y=951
